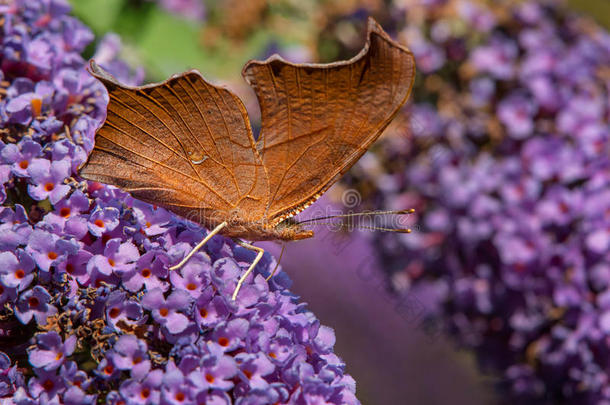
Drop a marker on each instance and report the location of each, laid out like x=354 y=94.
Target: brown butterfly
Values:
x=186 y=145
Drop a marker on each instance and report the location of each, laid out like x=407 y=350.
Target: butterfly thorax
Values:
x=286 y=230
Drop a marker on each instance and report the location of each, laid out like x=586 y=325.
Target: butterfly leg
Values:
x=199 y=246
x=251 y=268
x=277 y=264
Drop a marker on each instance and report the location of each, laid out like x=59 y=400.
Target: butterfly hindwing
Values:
x=318 y=119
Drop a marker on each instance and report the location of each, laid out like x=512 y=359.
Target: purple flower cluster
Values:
x=189 y=9
x=90 y=311
x=507 y=162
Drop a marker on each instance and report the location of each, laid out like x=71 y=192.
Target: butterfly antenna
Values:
x=372 y=228
x=358 y=214
x=277 y=264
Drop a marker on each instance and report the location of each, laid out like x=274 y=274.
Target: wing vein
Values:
x=187 y=125
x=230 y=139
x=205 y=121
x=140 y=128
x=167 y=126
x=203 y=183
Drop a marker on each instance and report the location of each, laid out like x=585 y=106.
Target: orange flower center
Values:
x=70 y=268
x=108 y=369
x=20 y=274
x=52 y=255
x=209 y=378
x=146 y=273
x=145 y=393
x=33 y=302
x=164 y=311
x=223 y=341
x=137 y=360
x=180 y=396
x=24 y=164
x=99 y=222
x=203 y=312
x=248 y=374
x=191 y=286
x=36 y=104
x=114 y=312
x=49 y=186
x=64 y=212
x=111 y=262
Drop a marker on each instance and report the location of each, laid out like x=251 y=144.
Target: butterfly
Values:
x=187 y=145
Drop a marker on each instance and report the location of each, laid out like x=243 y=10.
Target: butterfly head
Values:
x=289 y=229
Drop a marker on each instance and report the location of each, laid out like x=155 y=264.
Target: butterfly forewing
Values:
x=183 y=144
x=317 y=120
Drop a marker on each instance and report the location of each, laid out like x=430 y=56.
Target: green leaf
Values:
x=99 y=15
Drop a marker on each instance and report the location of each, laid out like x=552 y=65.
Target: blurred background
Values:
x=501 y=293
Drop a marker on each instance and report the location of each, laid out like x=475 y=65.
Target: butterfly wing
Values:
x=318 y=119
x=183 y=144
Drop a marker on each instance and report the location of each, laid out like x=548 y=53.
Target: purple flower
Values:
x=598 y=241
x=46 y=384
x=254 y=367
x=16 y=270
x=103 y=220
x=152 y=219
x=149 y=272
x=106 y=370
x=131 y=354
x=107 y=54
x=429 y=57
x=117 y=257
x=48 y=179
x=35 y=303
x=66 y=215
x=216 y=372
x=50 y=352
x=482 y=90
x=120 y=309
x=479 y=17
x=73 y=376
x=28 y=105
x=211 y=310
x=66 y=149
x=76 y=396
x=76 y=266
x=497 y=58
x=176 y=389
x=516 y=113
x=4 y=178
x=39 y=53
x=192 y=277
x=145 y=392
x=165 y=311
x=229 y=334
x=20 y=156
x=47 y=248
x=190 y=9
